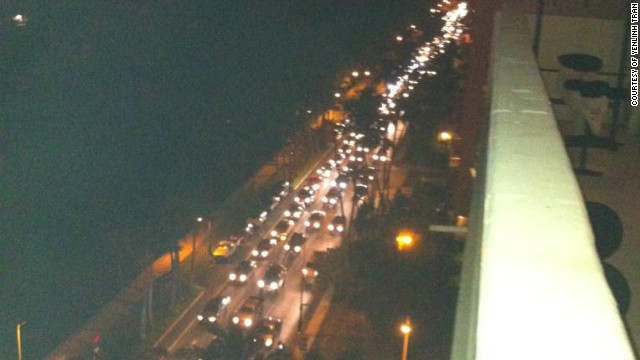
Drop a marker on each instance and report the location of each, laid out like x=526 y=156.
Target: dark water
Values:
x=121 y=120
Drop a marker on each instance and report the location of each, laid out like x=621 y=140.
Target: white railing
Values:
x=532 y=285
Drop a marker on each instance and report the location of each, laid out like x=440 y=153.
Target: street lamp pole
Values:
x=193 y=248
x=405 y=329
x=18 y=338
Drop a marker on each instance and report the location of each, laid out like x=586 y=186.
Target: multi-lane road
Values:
x=285 y=303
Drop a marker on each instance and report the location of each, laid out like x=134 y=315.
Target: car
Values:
x=295 y=243
x=294 y=212
x=324 y=171
x=263 y=249
x=306 y=195
x=358 y=156
x=254 y=223
x=242 y=271
x=265 y=334
x=342 y=181
x=332 y=198
x=337 y=225
x=225 y=248
x=281 y=230
x=383 y=154
x=367 y=174
x=360 y=192
x=249 y=312
x=345 y=149
x=315 y=220
x=337 y=161
x=311 y=270
x=273 y=279
x=314 y=182
x=211 y=311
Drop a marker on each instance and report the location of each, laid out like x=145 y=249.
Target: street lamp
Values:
x=199 y=220
x=404 y=241
x=405 y=328
x=337 y=95
x=445 y=136
x=18 y=338
x=399 y=38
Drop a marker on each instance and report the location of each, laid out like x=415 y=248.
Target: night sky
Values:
x=121 y=119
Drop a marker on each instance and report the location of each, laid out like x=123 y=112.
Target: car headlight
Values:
x=375 y=157
x=324 y=199
x=340 y=228
x=260 y=284
x=283 y=237
x=352 y=158
x=232 y=277
x=243 y=277
x=264 y=253
x=332 y=183
x=255 y=252
x=273 y=286
x=297 y=249
x=315 y=273
x=268 y=342
x=359 y=148
x=297 y=199
x=212 y=319
x=200 y=317
x=305 y=271
x=307 y=223
x=274 y=233
x=247 y=322
x=287 y=247
x=316 y=225
x=273 y=241
x=287 y=213
x=383 y=158
x=343 y=186
x=332 y=201
x=235 y=320
x=331 y=227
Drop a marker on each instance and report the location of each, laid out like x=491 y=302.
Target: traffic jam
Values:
x=287 y=244
x=270 y=284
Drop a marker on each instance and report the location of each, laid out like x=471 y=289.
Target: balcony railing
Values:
x=532 y=285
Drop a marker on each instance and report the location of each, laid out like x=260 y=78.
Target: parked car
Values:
x=248 y=313
x=273 y=279
x=211 y=311
x=242 y=271
x=224 y=249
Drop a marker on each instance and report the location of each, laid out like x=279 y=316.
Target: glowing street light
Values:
x=445 y=136
x=20 y=20
x=337 y=95
x=405 y=328
x=399 y=38
x=404 y=241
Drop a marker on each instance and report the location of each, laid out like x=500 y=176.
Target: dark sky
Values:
x=119 y=117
